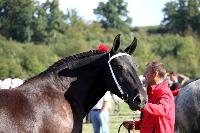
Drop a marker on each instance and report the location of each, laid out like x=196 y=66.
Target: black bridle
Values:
x=124 y=94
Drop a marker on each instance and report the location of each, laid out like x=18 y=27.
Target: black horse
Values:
x=57 y=100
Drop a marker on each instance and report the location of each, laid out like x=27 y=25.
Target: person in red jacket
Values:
x=158 y=116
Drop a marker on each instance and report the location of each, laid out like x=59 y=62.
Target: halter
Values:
x=113 y=75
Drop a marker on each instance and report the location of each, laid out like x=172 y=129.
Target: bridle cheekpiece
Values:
x=113 y=75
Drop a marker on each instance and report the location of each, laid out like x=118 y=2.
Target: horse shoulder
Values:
x=60 y=114
x=26 y=111
x=55 y=111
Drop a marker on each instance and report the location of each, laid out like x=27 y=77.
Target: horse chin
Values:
x=134 y=107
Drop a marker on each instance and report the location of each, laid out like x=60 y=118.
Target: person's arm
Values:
x=162 y=108
x=105 y=106
x=106 y=101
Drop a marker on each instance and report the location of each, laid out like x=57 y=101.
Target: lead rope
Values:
x=120 y=128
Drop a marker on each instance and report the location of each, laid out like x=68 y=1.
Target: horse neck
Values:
x=85 y=92
x=41 y=83
x=61 y=74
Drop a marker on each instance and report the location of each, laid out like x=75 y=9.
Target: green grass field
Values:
x=116 y=119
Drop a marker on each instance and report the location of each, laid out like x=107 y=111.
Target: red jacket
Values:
x=158 y=116
x=175 y=92
x=175 y=88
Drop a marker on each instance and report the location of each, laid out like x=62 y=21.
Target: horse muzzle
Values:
x=137 y=103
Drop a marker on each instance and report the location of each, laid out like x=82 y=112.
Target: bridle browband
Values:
x=125 y=98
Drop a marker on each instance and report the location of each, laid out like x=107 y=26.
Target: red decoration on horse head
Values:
x=103 y=48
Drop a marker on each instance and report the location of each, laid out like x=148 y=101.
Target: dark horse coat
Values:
x=57 y=100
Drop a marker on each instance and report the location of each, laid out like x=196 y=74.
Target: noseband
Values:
x=124 y=94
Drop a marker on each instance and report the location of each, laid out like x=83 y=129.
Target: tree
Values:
x=170 y=14
x=188 y=57
x=56 y=17
x=72 y=18
x=48 y=20
x=39 y=25
x=194 y=14
x=182 y=16
x=113 y=14
x=16 y=18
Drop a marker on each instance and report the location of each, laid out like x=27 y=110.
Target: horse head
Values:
x=122 y=69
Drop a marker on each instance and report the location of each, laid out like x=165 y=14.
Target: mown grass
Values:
x=116 y=119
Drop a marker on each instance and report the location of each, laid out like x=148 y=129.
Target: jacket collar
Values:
x=152 y=88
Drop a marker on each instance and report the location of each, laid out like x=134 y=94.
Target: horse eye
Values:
x=119 y=67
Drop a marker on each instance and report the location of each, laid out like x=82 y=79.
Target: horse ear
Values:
x=131 y=48
x=116 y=43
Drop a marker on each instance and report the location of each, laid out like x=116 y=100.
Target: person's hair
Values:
x=173 y=73
x=157 y=66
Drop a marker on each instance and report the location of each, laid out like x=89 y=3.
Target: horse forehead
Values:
x=126 y=61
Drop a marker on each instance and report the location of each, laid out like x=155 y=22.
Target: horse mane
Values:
x=62 y=63
x=67 y=60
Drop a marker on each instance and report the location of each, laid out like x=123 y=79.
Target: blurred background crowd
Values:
x=10 y=83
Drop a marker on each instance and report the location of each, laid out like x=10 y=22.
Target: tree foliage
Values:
x=48 y=21
x=113 y=14
x=52 y=35
x=39 y=25
x=182 y=16
x=16 y=16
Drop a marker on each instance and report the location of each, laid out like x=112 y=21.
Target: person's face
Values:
x=149 y=75
x=173 y=77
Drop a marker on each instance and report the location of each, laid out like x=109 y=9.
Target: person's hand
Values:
x=129 y=125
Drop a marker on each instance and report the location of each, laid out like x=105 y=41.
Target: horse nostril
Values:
x=144 y=102
x=137 y=100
